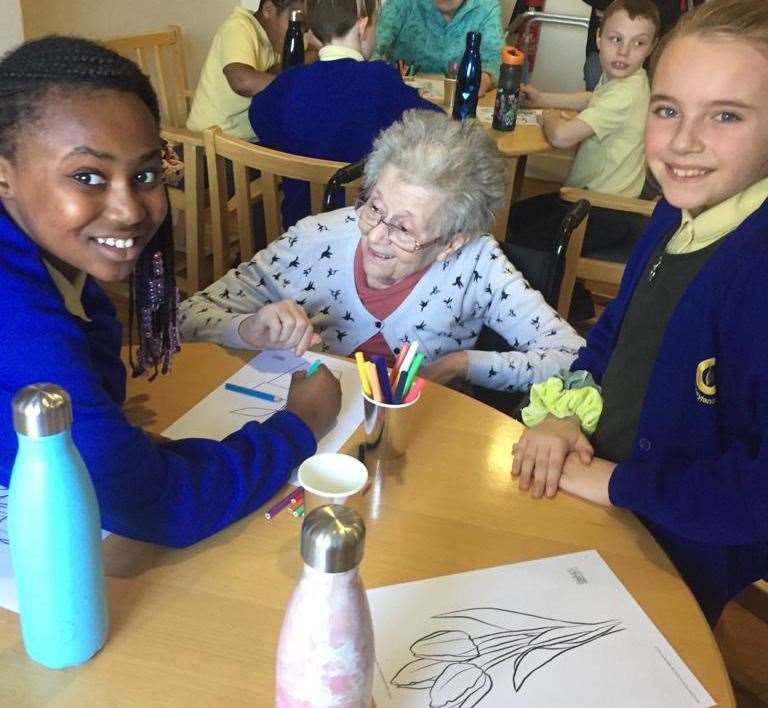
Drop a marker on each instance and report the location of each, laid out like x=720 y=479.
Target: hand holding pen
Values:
x=316 y=399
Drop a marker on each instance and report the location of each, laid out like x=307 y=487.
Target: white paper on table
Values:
x=8 y=596
x=431 y=89
x=223 y=412
x=525 y=116
x=566 y=632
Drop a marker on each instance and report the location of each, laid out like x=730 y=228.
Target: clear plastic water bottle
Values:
x=55 y=534
x=508 y=91
x=468 y=79
x=325 y=656
x=293 y=44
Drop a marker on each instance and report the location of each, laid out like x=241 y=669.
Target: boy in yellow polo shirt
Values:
x=244 y=48
x=608 y=130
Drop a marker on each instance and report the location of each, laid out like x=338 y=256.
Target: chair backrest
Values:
x=593 y=270
x=273 y=165
x=160 y=55
x=350 y=177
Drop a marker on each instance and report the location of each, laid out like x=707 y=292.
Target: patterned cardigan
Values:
x=313 y=264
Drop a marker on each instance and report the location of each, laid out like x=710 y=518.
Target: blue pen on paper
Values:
x=381 y=368
x=314 y=366
x=253 y=392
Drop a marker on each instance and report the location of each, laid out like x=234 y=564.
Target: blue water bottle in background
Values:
x=55 y=534
x=293 y=44
x=468 y=79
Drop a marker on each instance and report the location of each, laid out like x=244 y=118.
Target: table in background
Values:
x=199 y=627
x=516 y=145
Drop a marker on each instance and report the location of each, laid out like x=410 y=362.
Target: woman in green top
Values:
x=432 y=33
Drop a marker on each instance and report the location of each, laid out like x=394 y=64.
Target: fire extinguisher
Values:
x=528 y=41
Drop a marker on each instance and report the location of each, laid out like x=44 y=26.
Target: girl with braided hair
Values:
x=81 y=199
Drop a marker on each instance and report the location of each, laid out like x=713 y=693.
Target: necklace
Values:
x=655 y=267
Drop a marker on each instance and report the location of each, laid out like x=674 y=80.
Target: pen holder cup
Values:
x=449 y=92
x=389 y=429
x=330 y=478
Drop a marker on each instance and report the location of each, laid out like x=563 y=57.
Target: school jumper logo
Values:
x=705 y=381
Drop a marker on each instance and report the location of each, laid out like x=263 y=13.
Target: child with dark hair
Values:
x=608 y=130
x=80 y=199
x=332 y=109
x=244 y=52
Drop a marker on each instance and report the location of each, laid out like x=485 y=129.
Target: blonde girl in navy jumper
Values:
x=682 y=439
x=81 y=198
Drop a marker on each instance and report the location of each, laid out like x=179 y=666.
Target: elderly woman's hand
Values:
x=449 y=368
x=280 y=325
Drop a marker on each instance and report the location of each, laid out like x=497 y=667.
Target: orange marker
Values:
x=373 y=379
x=394 y=373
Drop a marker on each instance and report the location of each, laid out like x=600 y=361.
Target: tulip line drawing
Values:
x=454 y=665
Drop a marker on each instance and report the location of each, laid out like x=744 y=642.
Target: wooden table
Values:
x=199 y=627
x=516 y=145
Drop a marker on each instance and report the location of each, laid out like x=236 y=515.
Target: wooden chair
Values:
x=755 y=599
x=273 y=165
x=601 y=275
x=160 y=55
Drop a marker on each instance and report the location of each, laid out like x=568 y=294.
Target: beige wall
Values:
x=101 y=19
x=11 y=32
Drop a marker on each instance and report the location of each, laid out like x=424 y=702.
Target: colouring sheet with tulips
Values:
x=559 y=631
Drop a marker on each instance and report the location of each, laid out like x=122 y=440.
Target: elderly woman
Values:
x=431 y=33
x=411 y=262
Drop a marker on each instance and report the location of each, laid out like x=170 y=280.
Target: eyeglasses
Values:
x=372 y=215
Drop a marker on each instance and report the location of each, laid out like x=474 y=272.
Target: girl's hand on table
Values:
x=449 y=368
x=280 y=325
x=588 y=481
x=315 y=399
x=540 y=454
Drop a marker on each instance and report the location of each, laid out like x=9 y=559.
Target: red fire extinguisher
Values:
x=529 y=39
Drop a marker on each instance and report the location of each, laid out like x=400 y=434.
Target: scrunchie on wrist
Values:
x=564 y=395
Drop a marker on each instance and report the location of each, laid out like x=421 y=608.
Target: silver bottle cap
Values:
x=296 y=15
x=41 y=409
x=332 y=539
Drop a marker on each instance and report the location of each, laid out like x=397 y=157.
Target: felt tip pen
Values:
x=314 y=366
x=263 y=395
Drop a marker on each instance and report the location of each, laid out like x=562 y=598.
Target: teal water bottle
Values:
x=54 y=532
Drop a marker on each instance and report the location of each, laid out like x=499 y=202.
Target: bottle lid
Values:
x=512 y=55
x=332 y=539
x=296 y=15
x=473 y=39
x=41 y=409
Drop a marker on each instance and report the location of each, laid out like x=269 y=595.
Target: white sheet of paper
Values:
x=223 y=412
x=8 y=596
x=431 y=89
x=560 y=631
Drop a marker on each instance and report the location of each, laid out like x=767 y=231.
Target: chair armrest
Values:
x=181 y=135
x=609 y=201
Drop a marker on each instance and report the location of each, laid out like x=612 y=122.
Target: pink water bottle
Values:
x=325 y=656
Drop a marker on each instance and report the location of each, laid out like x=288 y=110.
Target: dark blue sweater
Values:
x=331 y=110
x=698 y=474
x=175 y=493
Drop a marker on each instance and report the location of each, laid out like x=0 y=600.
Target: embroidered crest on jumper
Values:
x=706 y=391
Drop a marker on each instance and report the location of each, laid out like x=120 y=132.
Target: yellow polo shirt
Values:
x=71 y=292
x=239 y=40
x=613 y=159
x=699 y=232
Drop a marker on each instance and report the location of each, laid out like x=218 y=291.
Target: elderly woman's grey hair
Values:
x=457 y=159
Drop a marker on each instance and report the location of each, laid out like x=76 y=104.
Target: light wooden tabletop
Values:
x=199 y=627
